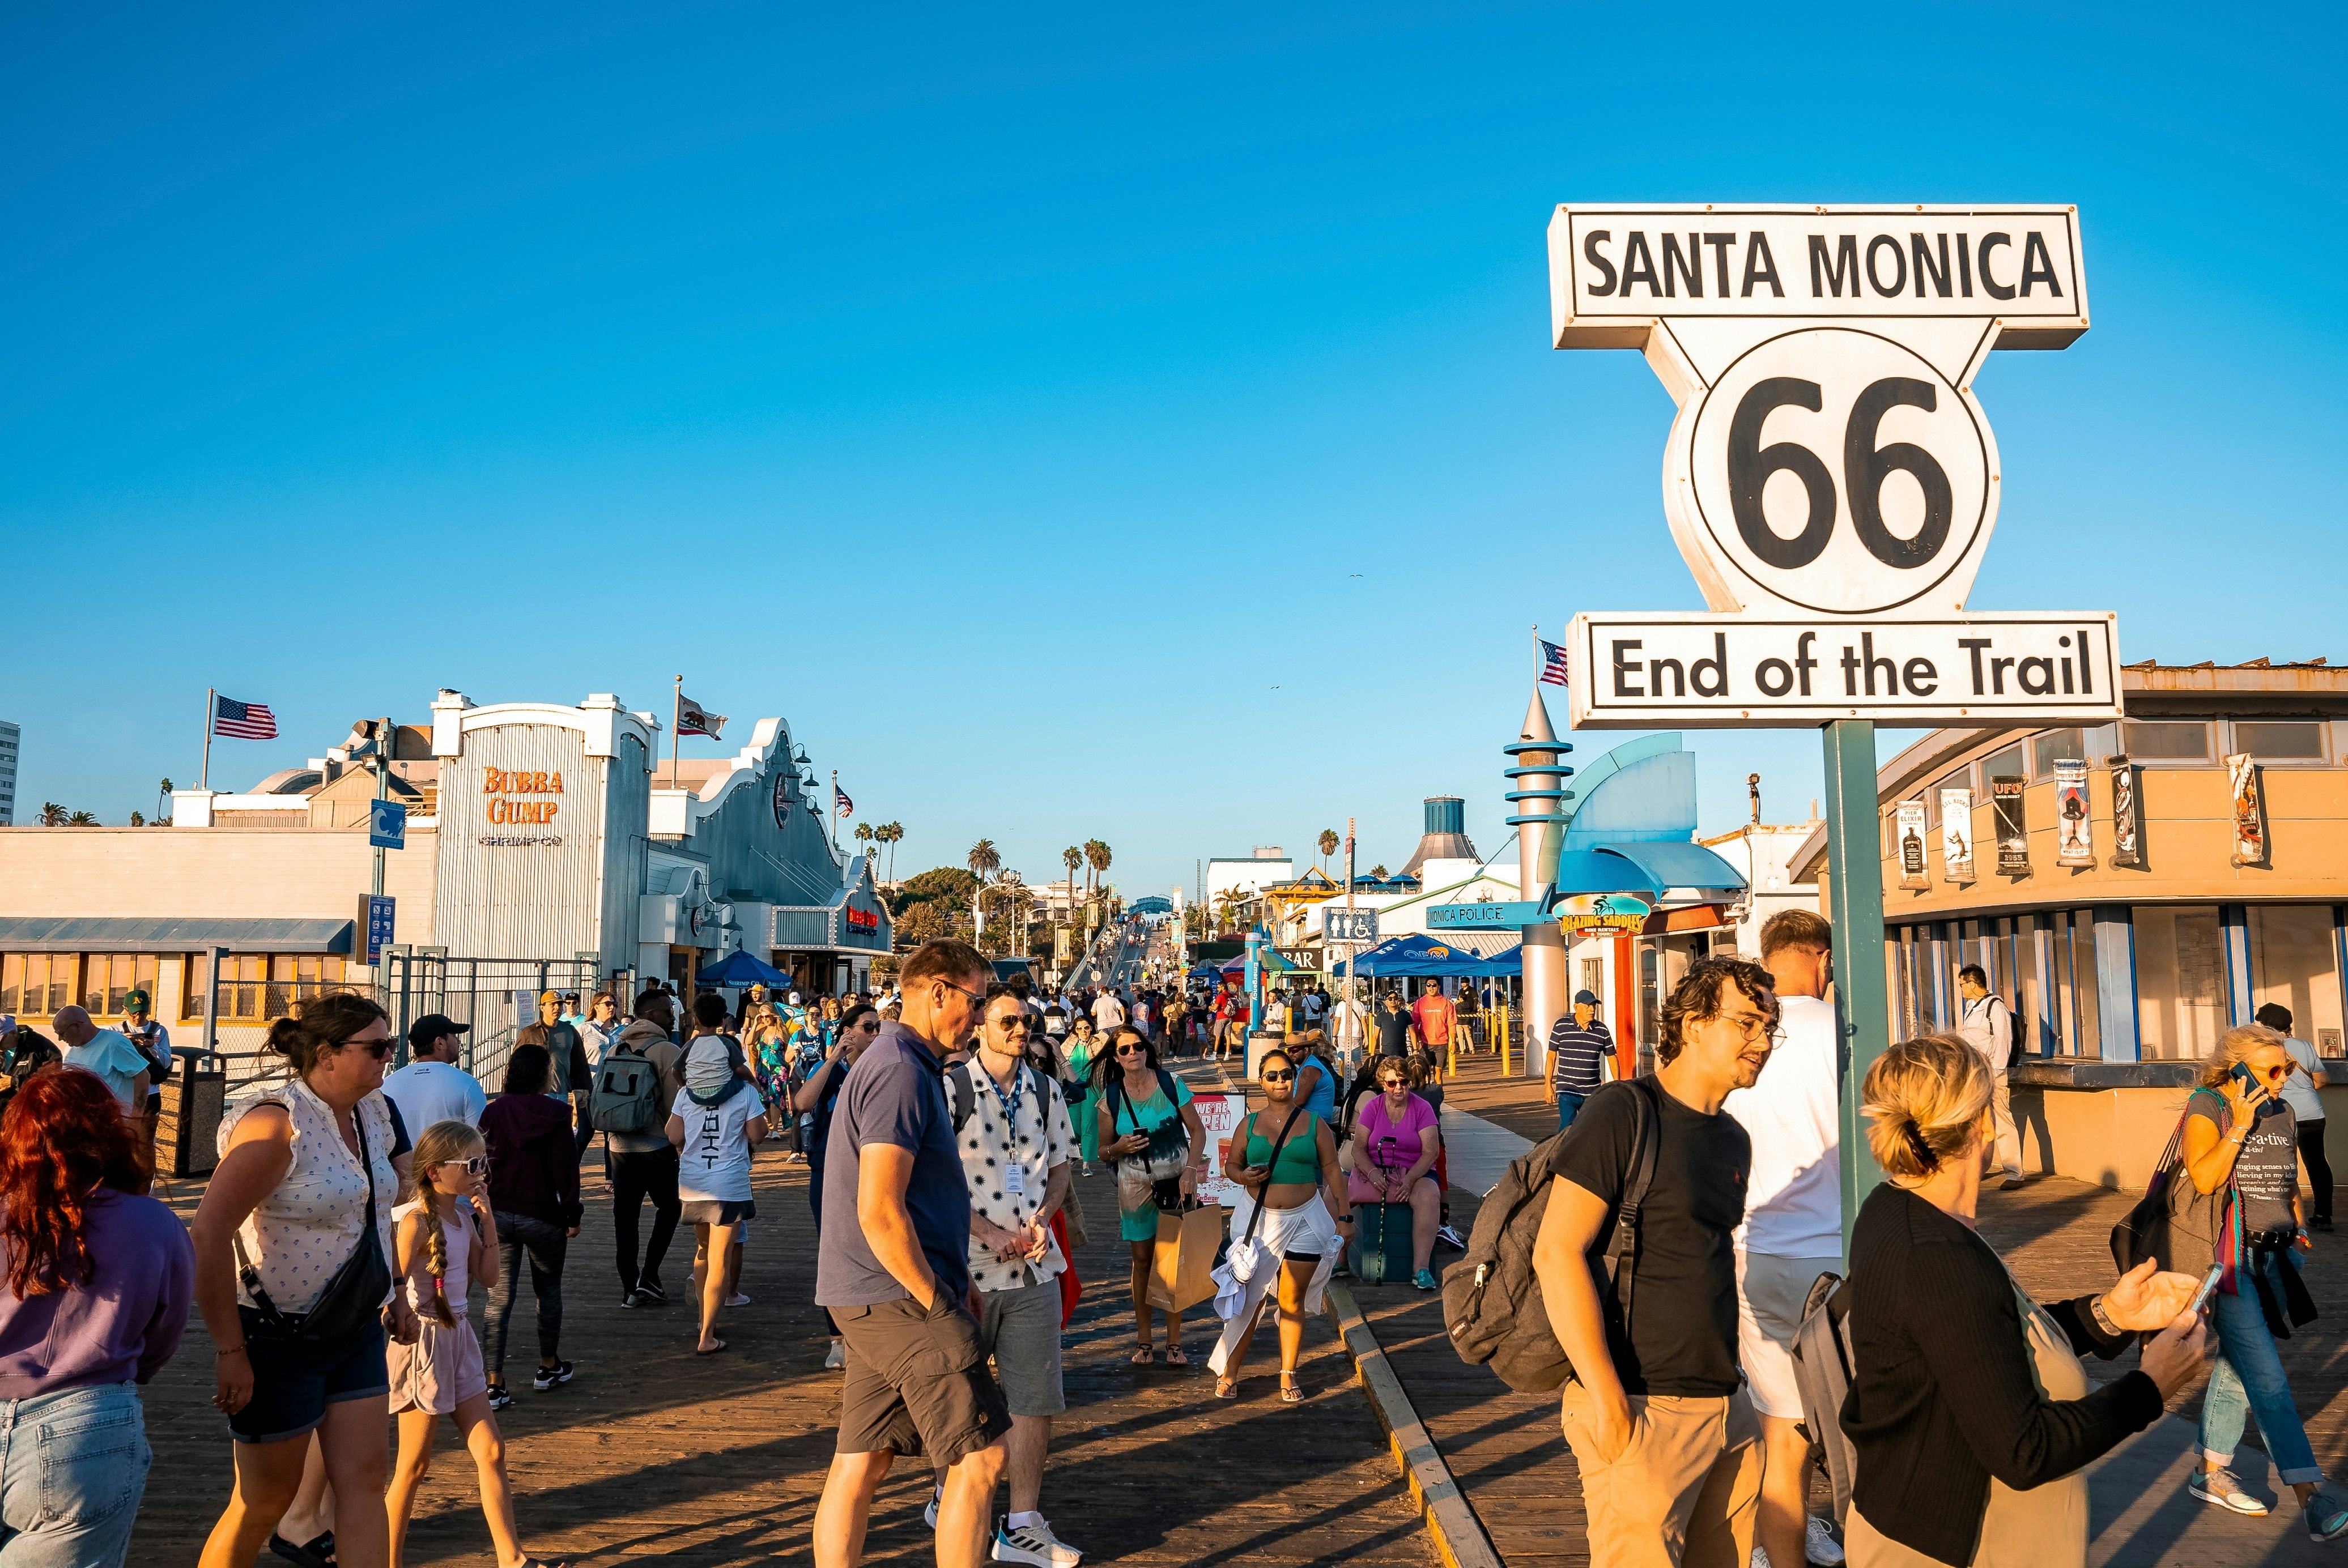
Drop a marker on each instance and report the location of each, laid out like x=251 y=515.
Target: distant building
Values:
x=11 y=736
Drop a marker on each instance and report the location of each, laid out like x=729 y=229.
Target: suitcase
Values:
x=1379 y=1253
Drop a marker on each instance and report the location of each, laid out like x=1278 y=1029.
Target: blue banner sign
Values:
x=387 y=824
x=1484 y=917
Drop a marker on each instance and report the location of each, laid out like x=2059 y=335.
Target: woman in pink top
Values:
x=1396 y=1141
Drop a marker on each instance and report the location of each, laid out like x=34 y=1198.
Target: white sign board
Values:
x=1830 y=478
x=1219 y=1114
x=1647 y=671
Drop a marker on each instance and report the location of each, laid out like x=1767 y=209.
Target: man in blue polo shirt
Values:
x=892 y=1266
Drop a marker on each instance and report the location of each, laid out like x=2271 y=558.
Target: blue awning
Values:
x=742 y=967
x=68 y=934
x=1649 y=869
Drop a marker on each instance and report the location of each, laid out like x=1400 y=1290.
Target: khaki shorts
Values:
x=1683 y=1492
x=1770 y=1293
x=917 y=1382
x=1020 y=1329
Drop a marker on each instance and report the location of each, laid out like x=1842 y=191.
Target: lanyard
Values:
x=1009 y=1103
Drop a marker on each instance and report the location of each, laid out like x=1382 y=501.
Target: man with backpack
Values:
x=1011 y=1123
x=1648 y=1186
x=1987 y=1025
x=638 y=1081
x=1793 y=1222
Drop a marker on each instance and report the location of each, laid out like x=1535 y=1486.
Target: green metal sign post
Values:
x=1855 y=907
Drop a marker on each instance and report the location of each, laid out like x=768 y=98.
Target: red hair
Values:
x=63 y=1136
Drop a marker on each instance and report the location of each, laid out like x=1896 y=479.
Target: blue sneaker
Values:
x=1425 y=1279
x=2326 y=1519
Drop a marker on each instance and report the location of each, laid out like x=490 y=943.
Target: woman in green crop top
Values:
x=1295 y=1182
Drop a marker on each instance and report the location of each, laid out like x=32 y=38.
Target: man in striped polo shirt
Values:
x=1577 y=1044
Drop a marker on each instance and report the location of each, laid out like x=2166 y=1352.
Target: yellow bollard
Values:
x=1506 y=1070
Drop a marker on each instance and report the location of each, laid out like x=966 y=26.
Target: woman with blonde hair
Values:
x=1971 y=1419
x=2241 y=1137
x=446 y=1237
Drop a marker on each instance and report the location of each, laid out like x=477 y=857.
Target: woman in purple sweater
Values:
x=100 y=1281
x=534 y=1198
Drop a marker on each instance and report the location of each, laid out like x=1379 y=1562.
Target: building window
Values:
x=2294 y=963
x=2051 y=746
x=2006 y=763
x=2166 y=740
x=260 y=989
x=35 y=985
x=108 y=978
x=2181 y=981
x=2281 y=740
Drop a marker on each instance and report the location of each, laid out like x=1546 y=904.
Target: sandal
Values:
x=1226 y=1387
x=1290 y=1394
x=317 y=1553
x=1174 y=1357
x=1143 y=1358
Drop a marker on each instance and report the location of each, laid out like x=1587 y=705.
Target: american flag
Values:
x=1553 y=663
x=244 y=721
x=841 y=806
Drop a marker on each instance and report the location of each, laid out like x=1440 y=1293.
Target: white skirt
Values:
x=1308 y=1228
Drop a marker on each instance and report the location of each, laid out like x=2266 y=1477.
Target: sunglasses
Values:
x=378 y=1049
x=1279 y=1077
x=1010 y=1021
x=474 y=1166
x=1133 y=1051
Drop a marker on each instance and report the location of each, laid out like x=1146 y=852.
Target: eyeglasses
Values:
x=978 y=996
x=1753 y=1026
x=474 y=1166
x=1269 y=1077
x=378 y=1049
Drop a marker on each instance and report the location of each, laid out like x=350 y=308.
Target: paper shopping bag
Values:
x=1184 y=1271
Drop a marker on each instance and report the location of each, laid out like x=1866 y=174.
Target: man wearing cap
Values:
x=574 y=1080
x=432 y=1087
x=154 y=1042
x=1578 y=1046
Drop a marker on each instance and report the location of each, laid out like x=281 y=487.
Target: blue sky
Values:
x=1010 y=398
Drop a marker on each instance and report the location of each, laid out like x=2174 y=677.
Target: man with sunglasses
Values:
x=1661 y=1427
x=1016 y=1139
x=893 y=1267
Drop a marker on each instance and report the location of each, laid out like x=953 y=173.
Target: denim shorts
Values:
x=294 y=1384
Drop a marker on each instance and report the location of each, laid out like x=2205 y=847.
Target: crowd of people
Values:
x=941 y=1126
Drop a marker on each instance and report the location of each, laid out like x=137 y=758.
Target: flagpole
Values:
x=835 y=811
x=211 y=705
x=676 y=723
x=1538 y=666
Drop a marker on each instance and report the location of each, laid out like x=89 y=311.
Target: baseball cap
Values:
x=549 y=996
x=1585 y=999
x=135 y=1000
x=432 y=1026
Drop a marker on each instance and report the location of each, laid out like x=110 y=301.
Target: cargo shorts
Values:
x=917 y=1382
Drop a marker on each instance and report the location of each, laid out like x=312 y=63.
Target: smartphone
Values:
x=2209 y=1287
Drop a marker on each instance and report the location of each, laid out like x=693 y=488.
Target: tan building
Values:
x=2134 y=894
x=544 y=845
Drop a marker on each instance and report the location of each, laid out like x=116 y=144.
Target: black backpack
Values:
x=1491 y=1298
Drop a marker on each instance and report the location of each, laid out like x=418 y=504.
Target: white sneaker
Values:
x=738 y=1299
x=930 y=1514
x=1821 y=1546
x=1760 y=1558
x=836 y=1357
x=1032 y=1544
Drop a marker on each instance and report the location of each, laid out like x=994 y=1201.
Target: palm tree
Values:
x=1227 y=907
x=82 y=819
x=162 y=794
x=863 y=835
x=1379 y=872
x=984 y=859
x=1096 y=855
x=889 y=832
x=1327 y=844
x=52 y=814
x=137 y=820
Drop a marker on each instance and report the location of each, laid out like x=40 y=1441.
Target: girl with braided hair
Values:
x=444 y=1238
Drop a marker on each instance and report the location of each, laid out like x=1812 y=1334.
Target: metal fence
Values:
x=493 y=998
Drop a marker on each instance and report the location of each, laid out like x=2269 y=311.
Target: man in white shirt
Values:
x=432 y=1087
x=1987 y=1024
x=1107 y=1013
x=1793 y=1220
x=2299 y=1093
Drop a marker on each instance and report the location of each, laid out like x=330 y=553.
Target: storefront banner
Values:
x=1912 y=845
x=2012 y=838
x=2075 y=839
x=2249 y=810
x=1957 y=834
x=2127 y=822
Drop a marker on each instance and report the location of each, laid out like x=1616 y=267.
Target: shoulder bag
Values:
x=353 y=1297
x=1244 y=1258
x=2175 y=1223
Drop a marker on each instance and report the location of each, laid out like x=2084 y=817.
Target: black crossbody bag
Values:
x=353 y=1298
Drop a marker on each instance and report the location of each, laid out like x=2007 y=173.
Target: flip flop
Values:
x=317 y=1553
x=1144 y=1356
x=711 y=1351
x=1174 y=1357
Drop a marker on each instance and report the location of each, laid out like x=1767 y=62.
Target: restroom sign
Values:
x=1830 y=478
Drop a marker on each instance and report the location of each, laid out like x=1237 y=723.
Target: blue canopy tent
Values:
x=742 y=968
x=1499 y=966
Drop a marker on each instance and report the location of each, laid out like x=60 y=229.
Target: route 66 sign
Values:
x=1830 y=478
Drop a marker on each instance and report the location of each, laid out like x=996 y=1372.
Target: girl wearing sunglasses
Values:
x=1147 y=1124
x=1284 y=1159
x=2239 y=1136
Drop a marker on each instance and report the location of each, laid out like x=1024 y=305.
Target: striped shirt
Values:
x=1574 y=1053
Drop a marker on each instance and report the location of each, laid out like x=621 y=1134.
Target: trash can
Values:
x=187 y=1139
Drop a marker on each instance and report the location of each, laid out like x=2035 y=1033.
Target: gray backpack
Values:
x=1822 y=1368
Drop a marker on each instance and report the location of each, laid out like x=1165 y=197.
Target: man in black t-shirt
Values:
x=1394 y=1028
x=1657 y=1417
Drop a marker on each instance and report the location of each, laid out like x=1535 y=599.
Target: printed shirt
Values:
x=300 y=1233
x=1435 y=1015
x=1012 y=1130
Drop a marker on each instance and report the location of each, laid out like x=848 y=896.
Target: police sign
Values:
x=1829 y=478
